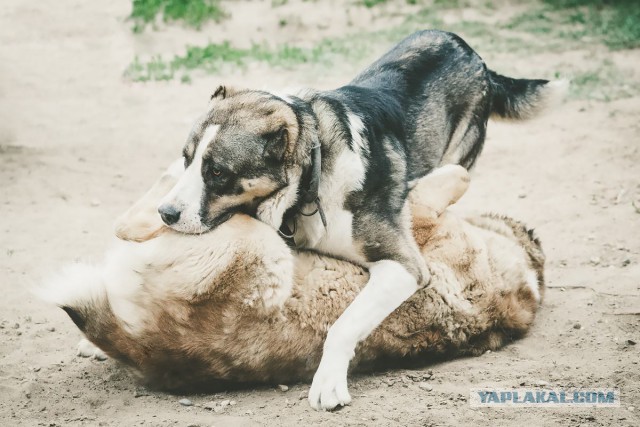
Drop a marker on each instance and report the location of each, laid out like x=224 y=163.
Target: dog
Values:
x=331 y=170
x=238 y=305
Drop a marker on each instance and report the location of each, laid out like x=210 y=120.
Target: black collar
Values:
x=307 y=194
x=310 y=181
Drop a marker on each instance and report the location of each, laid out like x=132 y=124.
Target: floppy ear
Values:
x=433 y=193
x=276 y=145
x=141 y=222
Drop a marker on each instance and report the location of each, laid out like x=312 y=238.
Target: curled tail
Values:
x=520 y=99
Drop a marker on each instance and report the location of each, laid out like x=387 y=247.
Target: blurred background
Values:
x=96 y=98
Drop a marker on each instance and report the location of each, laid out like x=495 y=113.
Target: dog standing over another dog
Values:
x=332 y=169
x=236 y=304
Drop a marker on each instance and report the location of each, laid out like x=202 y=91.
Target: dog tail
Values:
x=80 y=290
x=521 y=99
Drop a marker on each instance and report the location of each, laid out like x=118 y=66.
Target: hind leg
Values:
x=435 y=192
x=466 y=142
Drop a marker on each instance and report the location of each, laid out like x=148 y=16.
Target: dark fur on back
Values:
x=422 y=91
x=423 y=104
x=431 y=81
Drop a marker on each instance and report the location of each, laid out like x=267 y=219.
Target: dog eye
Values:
x=215 y=174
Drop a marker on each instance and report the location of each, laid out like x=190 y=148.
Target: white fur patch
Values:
x=532 y=283
x=347 y=175
x=74 y=284
x=187 y=194
x=115 y=279
x=122 y=280
x=356 y=127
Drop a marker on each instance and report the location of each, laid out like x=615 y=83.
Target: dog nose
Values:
x=169 y=214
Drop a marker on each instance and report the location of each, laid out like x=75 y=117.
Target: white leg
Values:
x=390 y=284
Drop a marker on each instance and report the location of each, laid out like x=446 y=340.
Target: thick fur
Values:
x=423 y=104
x=236 y=304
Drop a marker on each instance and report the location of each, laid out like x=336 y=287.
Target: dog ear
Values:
x=277 y=143
x=223 y=92
x=220 y=92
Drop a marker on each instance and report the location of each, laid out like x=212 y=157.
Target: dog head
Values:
x=237 y=155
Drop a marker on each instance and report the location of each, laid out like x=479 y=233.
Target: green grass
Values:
x=372 y=3
x=558 y=25
x=215 y=56
x=603 y=82
x=614 y=23
x=193 y=13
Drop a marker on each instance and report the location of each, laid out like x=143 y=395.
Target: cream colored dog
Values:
x=237 y=304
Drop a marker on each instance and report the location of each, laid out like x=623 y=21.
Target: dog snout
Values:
x=169 y=213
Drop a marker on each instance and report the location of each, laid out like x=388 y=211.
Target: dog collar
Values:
x=308 y=194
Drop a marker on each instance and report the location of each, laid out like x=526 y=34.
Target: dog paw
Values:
x=87 y=349
x=329 y=387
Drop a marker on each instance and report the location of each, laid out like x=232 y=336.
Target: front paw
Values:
x=329 y=386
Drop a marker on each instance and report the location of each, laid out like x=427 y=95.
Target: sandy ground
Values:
x=78 y=144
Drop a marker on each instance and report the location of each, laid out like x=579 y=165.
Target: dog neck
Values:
x=307 y=195
x=310 y=182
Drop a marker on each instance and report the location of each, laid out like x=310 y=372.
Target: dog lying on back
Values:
x=237 y=304
x=332 y=169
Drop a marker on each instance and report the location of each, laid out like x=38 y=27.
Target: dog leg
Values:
x=433 y=193
x=390 y=284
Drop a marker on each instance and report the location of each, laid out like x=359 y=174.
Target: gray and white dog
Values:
x=332 y=169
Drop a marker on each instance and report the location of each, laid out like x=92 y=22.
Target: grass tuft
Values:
x=372 y=3
x=214 y=56
x=558 y=25
x=614 y=23
x=193 y=13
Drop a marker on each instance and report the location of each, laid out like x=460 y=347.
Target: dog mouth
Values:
x=218 y=220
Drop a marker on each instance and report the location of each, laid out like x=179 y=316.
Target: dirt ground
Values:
x=78 y=144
